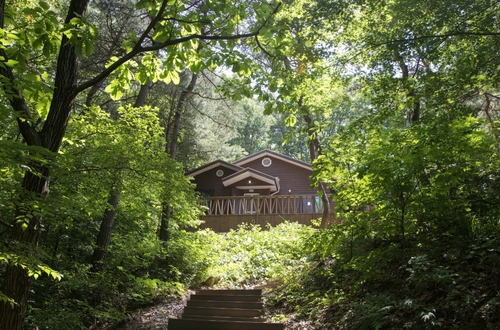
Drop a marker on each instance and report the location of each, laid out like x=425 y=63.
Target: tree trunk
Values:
x=16 y=283
x=414 y=116
x=178 y=115
x=315 y=149
x=105 y=230
x=166 y=209
x=402 y=221
x=142 y=97
x=108 y=220
x=164 y=234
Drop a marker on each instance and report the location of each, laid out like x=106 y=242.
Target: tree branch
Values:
x=6 y=224
x=138 y=48
x=15 y=96
x=439 y=36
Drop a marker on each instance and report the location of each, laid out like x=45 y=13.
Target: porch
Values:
x=228 y=212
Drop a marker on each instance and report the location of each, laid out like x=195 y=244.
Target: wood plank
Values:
x=226 y=304
x=223 y=318
x=236 y=312
x=182 y=324
x=253 y=292
x=226 y=297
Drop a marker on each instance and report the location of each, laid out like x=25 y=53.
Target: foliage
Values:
x=95 y=150
x=251 y=255
x=438 y=181
x=431 y=284
x=392 y=93
x=414 y=176
x=141 y=271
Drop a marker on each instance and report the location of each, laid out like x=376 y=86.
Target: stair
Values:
x=224 y=310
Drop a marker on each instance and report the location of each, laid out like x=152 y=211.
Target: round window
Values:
x=266 y=162
x=219 y=173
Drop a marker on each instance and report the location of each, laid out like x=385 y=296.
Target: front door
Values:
x=251 y=204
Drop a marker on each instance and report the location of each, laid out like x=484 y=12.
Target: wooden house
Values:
x=263 y=188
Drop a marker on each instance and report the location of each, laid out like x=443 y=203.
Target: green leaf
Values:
x=115 y=90
x=44 y=5
x=290 y=120
x=11 y=63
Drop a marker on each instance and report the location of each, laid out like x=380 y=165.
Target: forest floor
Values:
x=153 y=317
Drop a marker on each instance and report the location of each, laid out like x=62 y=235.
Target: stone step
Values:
x=183 y=324
x=225 y=304
x=214 y=311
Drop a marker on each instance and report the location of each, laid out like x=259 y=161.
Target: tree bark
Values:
x=172 y=151
x=17 y=283
x=405 y=74
x=164 y=234
x=486 y=110
x=108 y=221
x=314 y=150
x=105 y=230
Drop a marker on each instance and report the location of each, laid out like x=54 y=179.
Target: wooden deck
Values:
x=226 y=213
x=253 y=205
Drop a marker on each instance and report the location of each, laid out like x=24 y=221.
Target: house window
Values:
x=312 y=204
x=219 y=173
x=266 y=162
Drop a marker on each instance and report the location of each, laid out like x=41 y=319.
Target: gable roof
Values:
x=270 y=181
x=273 y=154
x=212 y=165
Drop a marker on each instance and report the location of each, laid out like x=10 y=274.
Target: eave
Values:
x=212 y=165
x=275 y=155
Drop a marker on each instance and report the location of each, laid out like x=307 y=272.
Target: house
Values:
x=263 y=188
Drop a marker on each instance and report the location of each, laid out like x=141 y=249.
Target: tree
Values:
x=252 y=128
x=174 y=26
x=421 y=72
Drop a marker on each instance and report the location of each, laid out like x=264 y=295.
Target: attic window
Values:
x=266 y=162
x=219 y=173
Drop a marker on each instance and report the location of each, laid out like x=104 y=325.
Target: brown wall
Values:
x=226 y=223
x=209 y=181
x=292 y=177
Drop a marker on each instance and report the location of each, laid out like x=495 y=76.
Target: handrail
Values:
x=262 y=204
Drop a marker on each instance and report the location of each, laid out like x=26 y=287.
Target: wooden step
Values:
x=223 y=318
x=183 y=324
x=224 y=310
x=225 y=297
x=236 y=312
x=257 y=292
x=225 y=304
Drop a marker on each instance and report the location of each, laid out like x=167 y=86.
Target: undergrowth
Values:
x=251 y=255
x=141 y=276
x=446 y=283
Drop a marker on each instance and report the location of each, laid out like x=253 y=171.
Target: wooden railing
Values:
x=245 y=205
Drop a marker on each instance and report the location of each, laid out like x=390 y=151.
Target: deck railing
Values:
x=245 y=205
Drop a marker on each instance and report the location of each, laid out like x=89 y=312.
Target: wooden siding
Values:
x=226 y=223
x=291 y=177
x=209 y=181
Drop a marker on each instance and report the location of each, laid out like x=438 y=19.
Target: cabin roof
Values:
x=212 y=165
x=239 y=165
x=269 y=153
x=270 y=182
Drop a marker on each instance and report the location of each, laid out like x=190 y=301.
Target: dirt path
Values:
x=150 y=318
